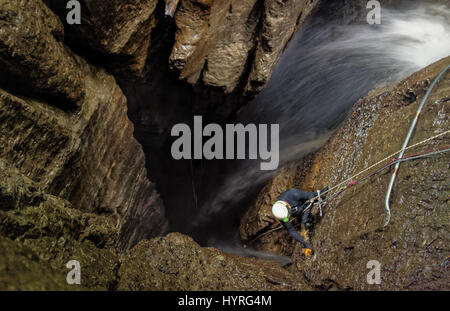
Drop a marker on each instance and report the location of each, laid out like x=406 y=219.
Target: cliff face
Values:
x=73 y=179
x=412 y=249
x=232 y=45
x=73 y=137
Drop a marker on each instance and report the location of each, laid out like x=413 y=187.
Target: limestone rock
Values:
x=21 y=269
x=33 y=58
x=118 y=31
x=280 y=20
x=52 y=233
x=234 y=44
x=89 y=156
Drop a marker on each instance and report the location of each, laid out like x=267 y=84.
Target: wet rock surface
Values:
x=118 y=31
x=234 y=44
x=43 y=232
x=413 y=248
x=176 y=262
x=32 y=56
x=87 y=156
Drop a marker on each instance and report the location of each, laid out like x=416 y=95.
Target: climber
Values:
x=293 y=202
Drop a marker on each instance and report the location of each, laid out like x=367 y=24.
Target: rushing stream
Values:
x=328 y=65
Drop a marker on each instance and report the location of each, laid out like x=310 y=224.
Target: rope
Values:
x=394 y=161
x=320 y=202
x=405 y=144
x=379 y=162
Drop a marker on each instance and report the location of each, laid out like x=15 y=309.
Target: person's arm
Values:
x=294 y=233
x=300 y=195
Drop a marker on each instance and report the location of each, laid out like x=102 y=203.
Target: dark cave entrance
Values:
x=155 y=104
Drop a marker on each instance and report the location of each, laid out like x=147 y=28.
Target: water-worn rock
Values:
x=32 y=56
x=88 y=156
x=230 y=44
x=176 y=262
x=233 y=45
x=21 y=269
x=40 y=234
x=119 y=30
x=413 y=248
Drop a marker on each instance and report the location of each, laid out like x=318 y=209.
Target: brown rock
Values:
x=21 y=269
x=176 y=262
x=32 y=56
x=118 y=29
x=45 y=232
x=234 y=43
x=280 y=21
x=88 y=157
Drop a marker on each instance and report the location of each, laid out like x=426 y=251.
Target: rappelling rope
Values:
x=405 y=144
x=348 y=182
x=393 y=161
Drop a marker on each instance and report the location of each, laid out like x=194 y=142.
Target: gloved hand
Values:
x=308 y=252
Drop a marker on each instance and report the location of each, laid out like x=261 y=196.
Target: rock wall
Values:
x=176 y=262
x=232 y=45
x=412 y=249
x=73 y=179
x=68 y=130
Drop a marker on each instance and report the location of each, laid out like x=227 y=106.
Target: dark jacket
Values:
x=297 y=198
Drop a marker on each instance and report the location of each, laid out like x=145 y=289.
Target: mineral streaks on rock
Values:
x=412 y=248
x=171 y=7
x=176 y=262
x=235 y=43
x=32 y=56
x=280 y=19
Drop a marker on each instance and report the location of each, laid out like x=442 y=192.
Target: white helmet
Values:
x=280 y=210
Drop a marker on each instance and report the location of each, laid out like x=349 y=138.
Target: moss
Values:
x=22 y=269
x=49 y=233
